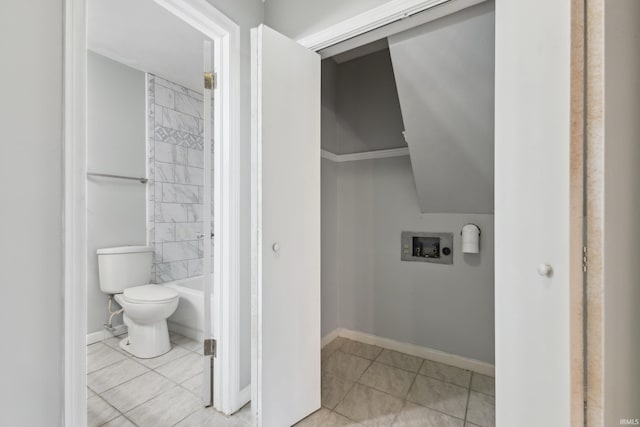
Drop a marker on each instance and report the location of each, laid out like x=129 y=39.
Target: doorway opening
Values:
x=150 y=115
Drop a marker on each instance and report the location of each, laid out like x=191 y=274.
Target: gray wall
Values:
x=621 y=210
x=365 y=207
x=297 y=18
x=329 y=242
x=116 y=144
x=329 y=130
x=31 y=183
x=444 y=307
x=445 y=73
x=247 y=14
x=367 y=104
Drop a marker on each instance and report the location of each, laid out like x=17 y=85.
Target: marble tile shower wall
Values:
x=176 y=184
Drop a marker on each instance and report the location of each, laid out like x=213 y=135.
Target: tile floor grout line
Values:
x=131 y=357
x=113 y=407
x=466 y=409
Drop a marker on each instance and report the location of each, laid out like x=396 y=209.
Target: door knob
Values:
x=545 y=270
x=276 y=247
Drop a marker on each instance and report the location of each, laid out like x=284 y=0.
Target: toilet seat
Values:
x=149 y=294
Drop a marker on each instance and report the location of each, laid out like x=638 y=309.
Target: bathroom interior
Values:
x=146 y=209
x=407 y=314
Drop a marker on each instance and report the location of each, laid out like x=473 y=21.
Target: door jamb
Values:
x=226 y=35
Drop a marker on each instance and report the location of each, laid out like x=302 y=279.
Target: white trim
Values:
x=95 y=337
x=384 y=14
x=245 y=395
x=366 y=155
x=75 y=252
x=391 y=18
x=226 y=322
x=419 y=351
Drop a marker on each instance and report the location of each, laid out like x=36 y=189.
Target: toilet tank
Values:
x=124 y=267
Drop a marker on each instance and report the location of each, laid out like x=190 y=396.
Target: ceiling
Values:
x=144 y=36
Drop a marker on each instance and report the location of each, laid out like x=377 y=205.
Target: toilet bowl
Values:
x=146 y=309
x=125 y=273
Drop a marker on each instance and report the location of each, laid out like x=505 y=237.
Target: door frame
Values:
x=226 y=322
x=398 y=15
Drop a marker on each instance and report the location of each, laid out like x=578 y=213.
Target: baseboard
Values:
x=414 y=350
x=192 y=333
x=329 y=337
x=244 y=396
x=95 y=337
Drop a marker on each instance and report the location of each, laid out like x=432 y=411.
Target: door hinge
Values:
x=210 y=347
x=584 y=259
x=210 y=80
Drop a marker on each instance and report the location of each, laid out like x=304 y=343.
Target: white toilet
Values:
x=125 y=272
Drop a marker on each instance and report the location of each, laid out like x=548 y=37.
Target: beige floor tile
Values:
x=413 y=415
x=331 y=348
x=155 y=362
x=128 y=395
x=114 y=342
x=400 y=360
x=182 y=369
x=334 y=388
x=444 y=397
x=121 y=421
x=165 y=409
x=468 y=424
x=90 y=393
x=386 y=378
x=100 y=355
x=346 y=366
x=317 y=419
x=483 y=384
x=446 y=373
x=360 y=349
x=369 y=406
x=113 y=375
x=99 y=412
x=335 y=344
x=208 y=417
x=482 y=410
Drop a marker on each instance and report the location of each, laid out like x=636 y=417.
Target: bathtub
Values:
x=189 y=316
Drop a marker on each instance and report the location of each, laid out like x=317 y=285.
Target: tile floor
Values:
x=367 y=385
x=361 y=385
x=163 y=391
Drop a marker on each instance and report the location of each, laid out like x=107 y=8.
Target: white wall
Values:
x=298 y=18
x=444 y=70
x=621 y=210
x=31 y=183
x=532 y=140
x=444 y=307
x=116 y=144
x=247 y=14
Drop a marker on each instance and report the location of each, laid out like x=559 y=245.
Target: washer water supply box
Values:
x=427 y=247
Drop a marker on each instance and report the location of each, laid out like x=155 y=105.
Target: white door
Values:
x=286 y=229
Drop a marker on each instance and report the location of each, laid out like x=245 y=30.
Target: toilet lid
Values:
x=149 y=294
